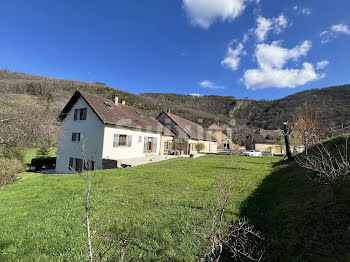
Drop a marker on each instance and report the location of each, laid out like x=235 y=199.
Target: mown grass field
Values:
x=162 y=207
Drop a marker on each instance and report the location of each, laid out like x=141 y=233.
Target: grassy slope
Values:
x=301 y=220
x=164 y=204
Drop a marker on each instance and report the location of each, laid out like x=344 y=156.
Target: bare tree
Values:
x=327 y=168
x=287 y=130
x=307 y=122
x=25 y=123
x=100 y=246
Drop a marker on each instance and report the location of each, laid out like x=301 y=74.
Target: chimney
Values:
x=168 y=111
x=115 y=99
x=123 y=102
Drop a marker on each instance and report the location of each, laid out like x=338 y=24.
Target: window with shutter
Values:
x=116 y=140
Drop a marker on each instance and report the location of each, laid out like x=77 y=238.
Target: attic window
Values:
x=187 y=130
x=139 y=113
x=109 y=105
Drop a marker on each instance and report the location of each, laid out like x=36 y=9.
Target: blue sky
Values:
x=263 y=49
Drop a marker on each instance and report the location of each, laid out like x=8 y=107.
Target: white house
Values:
x=101 y=131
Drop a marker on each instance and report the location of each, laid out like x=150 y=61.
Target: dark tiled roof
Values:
x=192 y=129
x=165 y=130
x=120 y=115
x=214 y=126
x=266 y=136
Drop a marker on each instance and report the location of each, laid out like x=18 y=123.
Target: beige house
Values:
x=188 y=134
x=224 y=143
x=269 y=142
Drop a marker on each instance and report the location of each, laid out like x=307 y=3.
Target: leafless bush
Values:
x=327 y=168
x=9 y=169
x=238 y=238
x=243 y=241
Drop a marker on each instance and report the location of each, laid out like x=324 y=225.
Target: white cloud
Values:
x=340 y=28
x=334 y=32
x=203 y=13
x=322 y=64
x=265 y=25
x=271 y=60
x=209 y=84
x=295 y=7
x=232 y=57
x=260 y=78
x=275 y=56
x=305 y=11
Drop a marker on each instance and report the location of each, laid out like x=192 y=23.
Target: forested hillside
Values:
x=242 y=115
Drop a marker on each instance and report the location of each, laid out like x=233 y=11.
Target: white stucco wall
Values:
x=91 y=131
x=124 y=152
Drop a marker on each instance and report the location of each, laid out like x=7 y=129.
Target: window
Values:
x=80 y=114
x=76 y=137
x=75 y=164
x=83 y=113
x=140 y=139
x=139 y=113
x=122 y=140
x=109 y=105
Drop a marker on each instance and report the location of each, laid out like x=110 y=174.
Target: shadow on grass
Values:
x=300 y=220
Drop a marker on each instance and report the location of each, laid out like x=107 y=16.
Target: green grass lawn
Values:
x=31 y=153
x=161 y=206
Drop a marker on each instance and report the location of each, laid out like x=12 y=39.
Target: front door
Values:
x=278 y=150
x=150 y=145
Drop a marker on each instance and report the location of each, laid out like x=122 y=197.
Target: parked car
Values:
x=251 y=153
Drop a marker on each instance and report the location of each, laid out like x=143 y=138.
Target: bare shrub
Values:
x=243 y=241
x=9 y=169
x=238 y=239
x=327 y=168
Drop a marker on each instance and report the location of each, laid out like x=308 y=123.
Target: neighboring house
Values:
x=265 y=141
x=167 y=140
x=188 y=133
x=216 y=131
x=101 y=131
x=269 y=142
